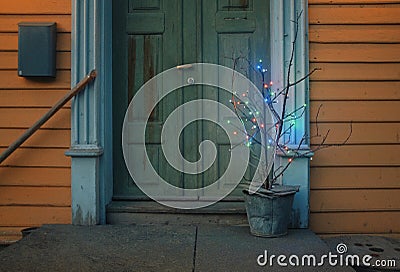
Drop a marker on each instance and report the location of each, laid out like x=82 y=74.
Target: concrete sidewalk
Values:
x=157 y=248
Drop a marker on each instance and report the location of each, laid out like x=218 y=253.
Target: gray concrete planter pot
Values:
x=268 y=211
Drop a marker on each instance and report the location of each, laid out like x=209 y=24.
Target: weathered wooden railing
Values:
x=74 y=91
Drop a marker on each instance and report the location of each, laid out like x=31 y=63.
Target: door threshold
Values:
x=143 y=206
x=153 y=213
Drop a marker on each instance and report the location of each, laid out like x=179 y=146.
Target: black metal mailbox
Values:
x=37 y=49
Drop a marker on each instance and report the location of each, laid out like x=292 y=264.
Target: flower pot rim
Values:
x=275 y=191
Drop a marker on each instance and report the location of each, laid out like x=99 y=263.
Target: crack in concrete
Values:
x=194 y=250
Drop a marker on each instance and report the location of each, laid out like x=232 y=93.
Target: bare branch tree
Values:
x=284 y=121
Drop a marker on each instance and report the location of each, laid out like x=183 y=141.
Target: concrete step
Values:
x=152 y=213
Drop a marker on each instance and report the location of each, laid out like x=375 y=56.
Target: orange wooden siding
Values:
x=35 y=180
x=355 y=188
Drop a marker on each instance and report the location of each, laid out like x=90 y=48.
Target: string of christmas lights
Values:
x=249 y=118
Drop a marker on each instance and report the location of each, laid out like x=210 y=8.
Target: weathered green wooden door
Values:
x=150 y=36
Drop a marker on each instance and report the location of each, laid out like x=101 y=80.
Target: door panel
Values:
x=152 y=36
x=146 y=40
x=238 y=28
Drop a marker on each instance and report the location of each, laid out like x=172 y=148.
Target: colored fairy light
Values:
x=271 y=83
x=228 y=121
x=260 y=60
x=257 y=112
x=243 y=94
x=262 y=125
x=265 y=85
x=290 y=160
x=258 y=67
x=264 y=70
x=247 y=102
x=238 y=102
x=254 y=120
x=305 y=105
x=250 y=112
x=235 y=133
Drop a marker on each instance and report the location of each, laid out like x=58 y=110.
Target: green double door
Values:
x=150 y=36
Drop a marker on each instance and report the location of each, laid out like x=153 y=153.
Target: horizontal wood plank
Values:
x=358 y=155
x=11 y=230
x=9 y=41
x=356 y=111
x=356 y=71
x=28 y=176
x=347 y=2
x=354 y=177
x=354 y=14
x=9 y=79
x=355 y=222
x=10 y=239
x=31 y=98
x=26 y=117
x=42 y=157
x=9 y=60
x=15 y=216
x=361 y=133
x=355 y=90
x=10 y=234
x=9 y=23
x=35 y=196
x=41 y=138
x=36 y=7
x=354 y=52
x=354 y=34
x=354 y=200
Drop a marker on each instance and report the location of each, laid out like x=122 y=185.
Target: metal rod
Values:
x=74 y=91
